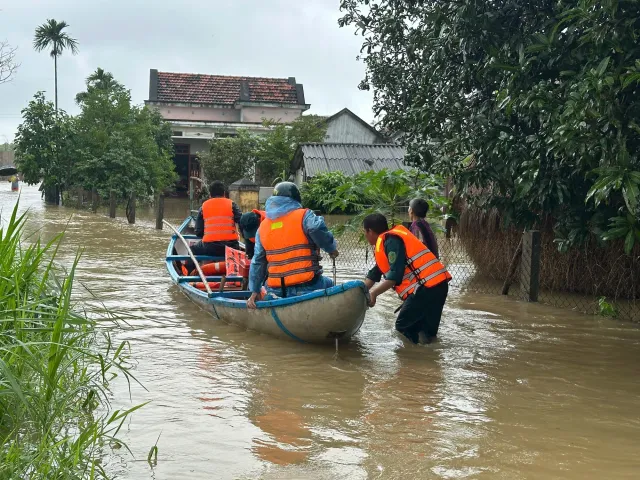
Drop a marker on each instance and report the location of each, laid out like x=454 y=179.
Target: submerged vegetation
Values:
x=55 y=368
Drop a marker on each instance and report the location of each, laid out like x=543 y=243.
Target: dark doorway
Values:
x=181 y=159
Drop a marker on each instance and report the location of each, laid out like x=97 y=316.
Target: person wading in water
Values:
x=413 y=271
x=418 y=209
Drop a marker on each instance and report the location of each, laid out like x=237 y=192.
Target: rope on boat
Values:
x=335 y=355
x=195 y=262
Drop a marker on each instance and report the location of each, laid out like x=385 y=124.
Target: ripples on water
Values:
x=511 y=390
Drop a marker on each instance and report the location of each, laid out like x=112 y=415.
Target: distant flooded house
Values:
x=204 y=107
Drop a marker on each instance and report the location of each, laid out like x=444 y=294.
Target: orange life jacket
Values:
x=421 y=265
x=292 y=258
x=219 y=225
x=262 y=215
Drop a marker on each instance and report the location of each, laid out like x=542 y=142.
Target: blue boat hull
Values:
x=317 y=317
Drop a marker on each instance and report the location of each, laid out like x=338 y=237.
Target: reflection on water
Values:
x=512 y=390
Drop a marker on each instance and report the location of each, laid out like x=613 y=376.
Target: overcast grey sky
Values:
x=271 y=38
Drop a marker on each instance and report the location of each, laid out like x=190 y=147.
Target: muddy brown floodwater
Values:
x=512 y=390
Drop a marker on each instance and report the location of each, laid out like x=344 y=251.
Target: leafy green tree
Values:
x=318 y=192
x=230 y=159
x=51 y=34
x=100 y=80
x=45 y=146
x=532 y=107
x=111 y=146
x=279 y=145
x=273 y=155
x=124 y=148
x=106 y=113
x=268 y=156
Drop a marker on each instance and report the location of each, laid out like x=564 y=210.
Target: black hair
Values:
x=249 y=221
x=419 y=207
x=217 y=189
x=376 y=222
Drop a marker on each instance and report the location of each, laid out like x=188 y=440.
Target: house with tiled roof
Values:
x=203 y=107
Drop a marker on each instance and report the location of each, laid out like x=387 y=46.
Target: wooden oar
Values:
x=193 y=259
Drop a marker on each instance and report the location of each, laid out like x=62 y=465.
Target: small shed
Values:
x=311 y=159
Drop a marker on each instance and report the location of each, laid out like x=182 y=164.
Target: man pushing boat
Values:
x=413 y=271
x=287 y=247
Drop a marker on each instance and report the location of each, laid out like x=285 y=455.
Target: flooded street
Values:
x=512 y=390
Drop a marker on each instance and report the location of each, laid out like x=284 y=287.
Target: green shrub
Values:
x=54 y=368
x=317 y=193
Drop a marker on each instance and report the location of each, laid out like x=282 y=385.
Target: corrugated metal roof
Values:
x=350 y=158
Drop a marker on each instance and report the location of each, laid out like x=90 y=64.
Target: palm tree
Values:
x=51 y=35
x=100 y=80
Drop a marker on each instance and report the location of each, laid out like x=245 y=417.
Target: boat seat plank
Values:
x=177 y=258
x=209 y=279
x=187 y=236
x=234 y=294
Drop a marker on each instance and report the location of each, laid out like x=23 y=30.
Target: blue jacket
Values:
x=312 y=225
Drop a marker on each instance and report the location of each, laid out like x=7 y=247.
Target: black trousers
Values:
x=213 y=249
x=422 y=311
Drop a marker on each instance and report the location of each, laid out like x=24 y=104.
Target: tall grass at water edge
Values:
x=55 y=368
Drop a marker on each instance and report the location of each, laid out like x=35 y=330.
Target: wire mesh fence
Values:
x=582 y=281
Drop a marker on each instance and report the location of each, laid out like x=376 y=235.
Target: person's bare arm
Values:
x=380 y=289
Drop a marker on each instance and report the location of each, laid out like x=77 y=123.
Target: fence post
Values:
x=159 y=210
x=94 y=200
x=515 y=261
x=113 y=202
x=131 y=208
x=530 y=265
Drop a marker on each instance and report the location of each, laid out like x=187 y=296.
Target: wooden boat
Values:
x=322 y=316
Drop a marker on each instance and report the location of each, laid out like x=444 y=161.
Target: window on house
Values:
x=181 y=149
x=226 y=135
x=176 y=133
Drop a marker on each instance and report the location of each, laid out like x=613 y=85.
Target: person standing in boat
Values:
x=216 y=224
x=418 y=209
x=249 y=224
x=413 y=271
x=287 y=247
